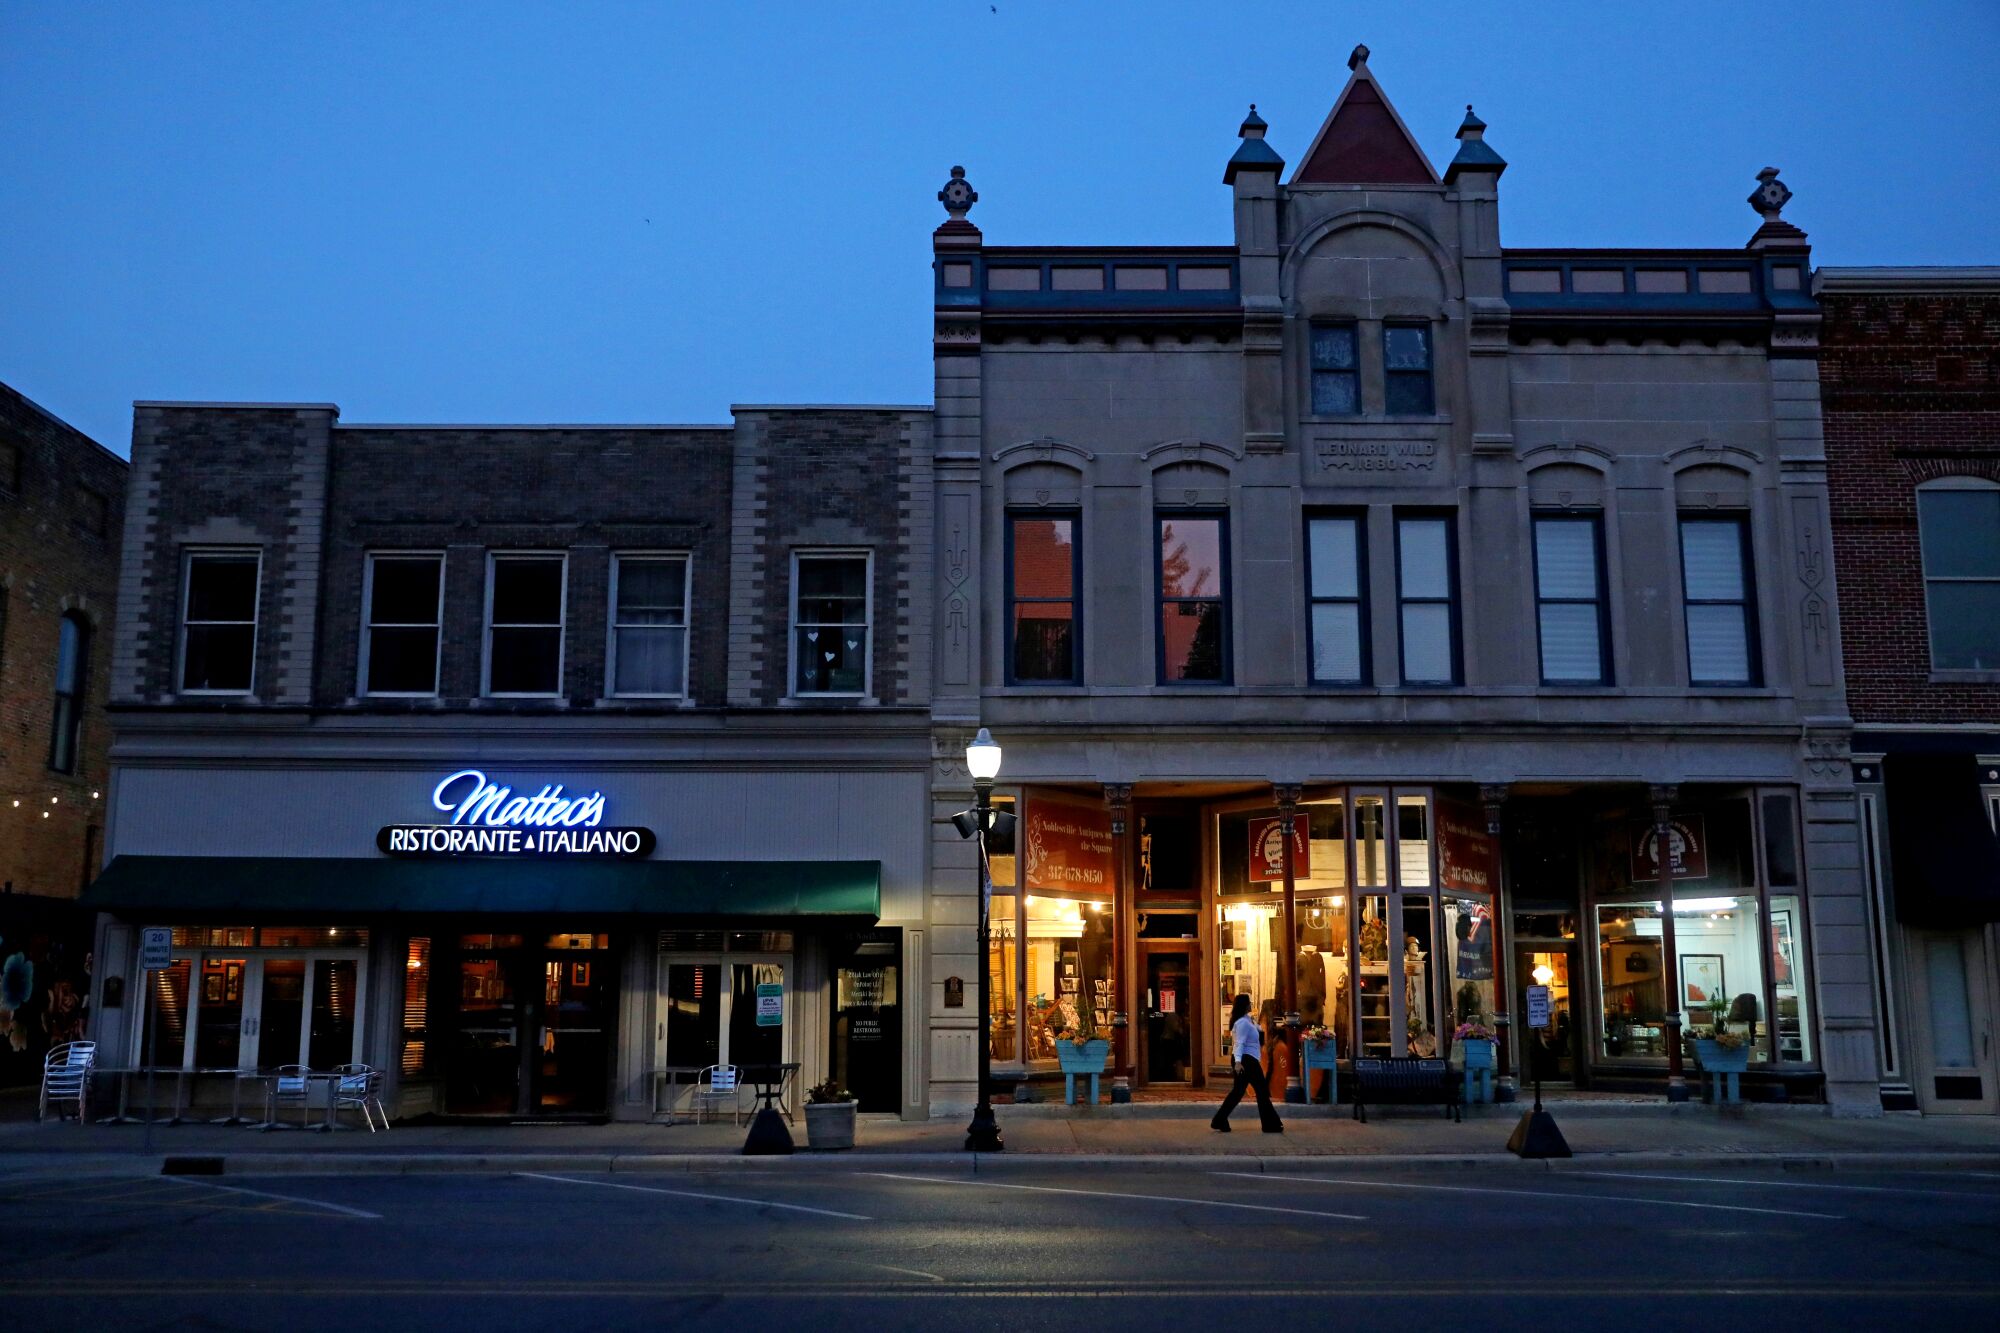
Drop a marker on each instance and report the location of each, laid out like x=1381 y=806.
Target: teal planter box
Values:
x=1479 y=1053
x=1715 y=1060
x=1086 y=1059
x=1320 y=1057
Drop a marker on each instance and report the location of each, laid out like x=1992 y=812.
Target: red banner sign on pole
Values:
x=1267 y=850
x=1066 y=845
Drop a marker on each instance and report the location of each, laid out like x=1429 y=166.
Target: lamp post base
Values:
x=1677 y=1088
x=983 y=1134
x=1121 y=1090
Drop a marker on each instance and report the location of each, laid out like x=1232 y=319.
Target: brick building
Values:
x=62 y=506
x=1910 y=381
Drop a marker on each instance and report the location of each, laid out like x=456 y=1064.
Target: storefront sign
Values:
x=489 y=819
x=1068 y=845
x=1465 y=849
x=1687 y=850
x=1267 y=850
x=770 y=1004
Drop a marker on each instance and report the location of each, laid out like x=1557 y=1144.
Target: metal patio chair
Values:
x=288 y=1087
x=360 y=1086
x=716 y=1087
x=66 y=1077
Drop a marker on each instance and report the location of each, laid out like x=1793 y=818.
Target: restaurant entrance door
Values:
x=533 y=1025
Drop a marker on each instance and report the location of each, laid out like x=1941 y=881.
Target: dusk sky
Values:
x=647 y=212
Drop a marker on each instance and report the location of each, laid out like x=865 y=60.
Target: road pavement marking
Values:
x=1784 y=1184
x=690 y=1194
x=340 y=1208
x=1535 y=1194
x=1114 y=1194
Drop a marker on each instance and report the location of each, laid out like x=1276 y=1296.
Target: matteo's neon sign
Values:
x=490 y=819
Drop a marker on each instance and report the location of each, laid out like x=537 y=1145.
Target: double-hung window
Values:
x=404 y=597
x=525 y=598
x=218 y=621
x=1569 y=599
x=1718 y=593
x=1336 y=371
x=1958 y=522
x=72 y=675
x=1042 y=573
x=1336 y=591
x=1406 y=370
x=1425 y=591
x=1194 y=599
x=649 y=625
x=830 y=615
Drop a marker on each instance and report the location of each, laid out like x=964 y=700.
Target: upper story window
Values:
x=1426 y=592
x=72 y=680
x=1958 y=524
x=1336 y=591
x=219 y=621
x=1043 y=572
x=525 y=601
x=649 y=626
x=1406 y=370
x=1569 y=599
x=404 y=597
x=1336 y=371
x=1718 y=591
x=1194 y=599
x=830 y=615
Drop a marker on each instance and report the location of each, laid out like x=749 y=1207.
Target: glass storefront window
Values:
x=1791 y=1025
x=1004 y=1037
x=1629 y=950
x=1413 y=841
x=1721 y=975
x=1468 y=943
x=1248 y=936
x=1371 y=843
x=1068 y=986
x=1000 y=857
x=1419 y=1019
x=1372 y=975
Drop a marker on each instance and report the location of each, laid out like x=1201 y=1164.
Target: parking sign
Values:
x=1538 y=1006
x=156 y=948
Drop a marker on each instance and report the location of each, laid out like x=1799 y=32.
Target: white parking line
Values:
x=691 y=1194
x=1114 y=1194
x=1784 y=1184
x=1533 y=1194
x=340 y=1208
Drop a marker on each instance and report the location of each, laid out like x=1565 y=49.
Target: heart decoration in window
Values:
x=829 y=657
x=852 y=644
x=812 y=636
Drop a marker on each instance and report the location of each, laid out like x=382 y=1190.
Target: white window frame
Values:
x=612 y=626
x=493 y=558
x=792 y=690
x=368 y=626
x=189 y=555
x=1951 y=483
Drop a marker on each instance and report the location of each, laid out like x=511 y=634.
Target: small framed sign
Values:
x=954 y=992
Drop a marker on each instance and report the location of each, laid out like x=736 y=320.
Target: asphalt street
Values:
x=1024 y=1245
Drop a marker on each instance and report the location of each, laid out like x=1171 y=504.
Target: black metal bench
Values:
x=1405 y=1080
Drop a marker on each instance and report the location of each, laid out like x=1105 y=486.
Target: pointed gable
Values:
x=1364 y=141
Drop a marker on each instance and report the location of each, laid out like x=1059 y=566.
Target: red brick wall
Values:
x=1910 y=388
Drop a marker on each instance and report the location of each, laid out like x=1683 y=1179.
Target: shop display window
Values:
x=1371 y=843
x=1791 y=1021
x=1630 y=956
x=1371 y=981
x=1721 y=973
x=1413 y=841
x=1067 y=946
x=1248 y=935
x=1420 y=1035
x=1468 y=945
x=1002 y=941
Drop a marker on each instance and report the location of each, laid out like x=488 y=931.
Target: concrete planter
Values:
x=829 y=1126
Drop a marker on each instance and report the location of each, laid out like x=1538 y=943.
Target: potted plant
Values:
x=1079 y=1050
x=1318 y=1054
x=829 y=1117
x=1477 y=1042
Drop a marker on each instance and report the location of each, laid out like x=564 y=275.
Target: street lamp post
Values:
x=982 y=760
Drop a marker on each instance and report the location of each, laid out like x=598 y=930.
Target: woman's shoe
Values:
x=1274 y=1129
x=1222 y=1128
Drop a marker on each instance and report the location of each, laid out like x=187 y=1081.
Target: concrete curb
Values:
x=417 y=1163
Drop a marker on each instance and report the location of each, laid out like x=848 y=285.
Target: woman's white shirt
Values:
x=1246 y=1039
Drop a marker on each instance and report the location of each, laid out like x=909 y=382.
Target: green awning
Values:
x=259 y=886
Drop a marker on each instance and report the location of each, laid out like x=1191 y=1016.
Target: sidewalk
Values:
x=1688 y=1135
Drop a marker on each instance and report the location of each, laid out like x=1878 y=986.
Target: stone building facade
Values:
x=1499 y=569
x=1910 y=373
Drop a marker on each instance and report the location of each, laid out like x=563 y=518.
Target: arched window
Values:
x=1958 y=523
x=72 y=671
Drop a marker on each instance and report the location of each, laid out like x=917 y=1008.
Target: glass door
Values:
x=574 y=1049
x=1548 y=1053
x=281 y=1017
x=1167 y=1049
x=218 y=1024
x=484 y=1073
x=710 y=1015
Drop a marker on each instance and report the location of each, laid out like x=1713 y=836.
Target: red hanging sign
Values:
x=1267 y=850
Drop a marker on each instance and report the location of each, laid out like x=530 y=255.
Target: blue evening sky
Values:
x=645 y=212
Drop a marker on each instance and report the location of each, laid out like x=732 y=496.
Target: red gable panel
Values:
x=1364 y=146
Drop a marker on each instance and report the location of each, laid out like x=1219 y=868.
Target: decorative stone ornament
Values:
x=958 y=196
x=1770 y=196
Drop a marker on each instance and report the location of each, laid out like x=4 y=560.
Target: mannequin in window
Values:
x=1312 y=984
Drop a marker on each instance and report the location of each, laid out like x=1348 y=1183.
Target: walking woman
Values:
x=1246 y=1042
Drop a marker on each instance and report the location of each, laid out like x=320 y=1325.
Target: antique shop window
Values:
x=1336 y=372
x=1067 y=948
x=1633 y=989
x=1958 y=522
x=1193 y=572
x=404 y=595
x=72 y=680
x=525 y=602
x=218 y=621
x=1406 y=370
x=1043 y=574
x=1468 y=945
x=1721 y=623
x=1003 y=937
x=1250 y=917
x=649 y=626
x=1338 y=601
x=1569 y=599
x=1425 y=584
x=831 y=604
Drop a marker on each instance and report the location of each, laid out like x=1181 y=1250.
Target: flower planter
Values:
x=1717 y=1060
x=1321 y=1057
x=1479 y=1052
x=829 y=1126
x=1088 y=1058
x=1477 y=1056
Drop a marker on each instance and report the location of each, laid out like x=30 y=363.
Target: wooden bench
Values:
x=1405 y=1081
